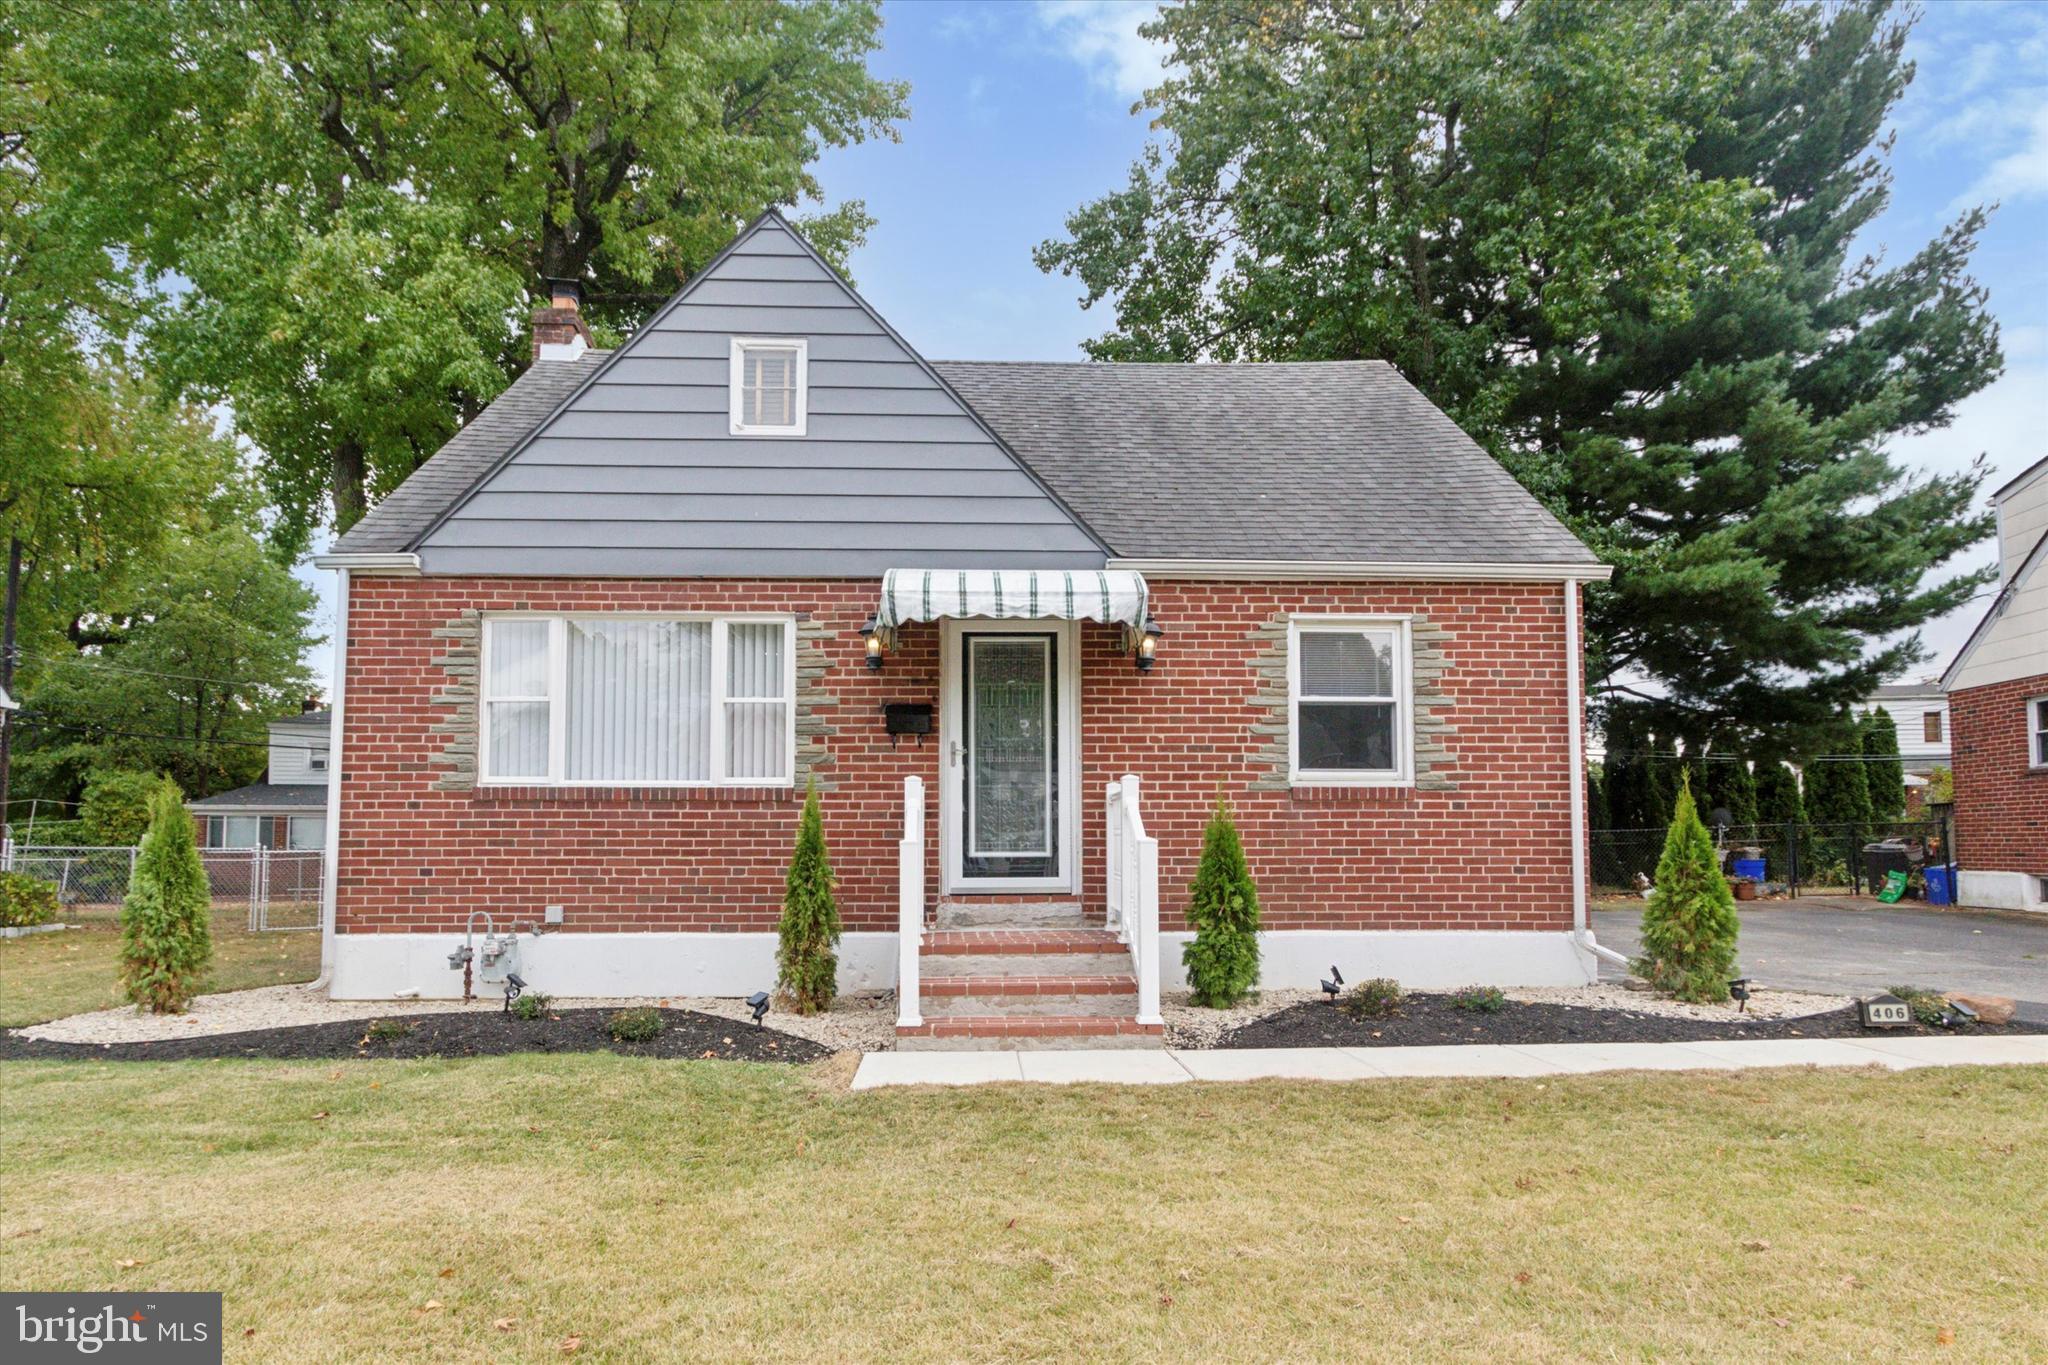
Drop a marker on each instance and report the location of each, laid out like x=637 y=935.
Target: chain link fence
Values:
x=1800 y=860
x=280 y=888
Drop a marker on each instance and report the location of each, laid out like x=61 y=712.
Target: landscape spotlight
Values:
x=514 y=984
x=1334 y=984
x=1739 y=990
x=758 y=1003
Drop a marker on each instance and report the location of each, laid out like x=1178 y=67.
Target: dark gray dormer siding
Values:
x=639 y=475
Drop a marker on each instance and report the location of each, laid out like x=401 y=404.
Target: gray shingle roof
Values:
x=395 y=523
x=269 y=796
x=312 y=720
x=1312 y=461
x=1320 y=461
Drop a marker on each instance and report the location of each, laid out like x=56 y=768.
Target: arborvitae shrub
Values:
x=166 y=939
x=1689 y=922
x=1222 y=961
x=808 y=968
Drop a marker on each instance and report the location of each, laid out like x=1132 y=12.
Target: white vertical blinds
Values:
x=634 y=700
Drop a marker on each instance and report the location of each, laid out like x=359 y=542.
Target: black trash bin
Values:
x=1880 y=858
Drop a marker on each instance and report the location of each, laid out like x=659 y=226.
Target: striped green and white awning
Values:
x=1113 y=595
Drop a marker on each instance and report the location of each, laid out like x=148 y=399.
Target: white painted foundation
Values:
x=2000 y=891
x=385 y=966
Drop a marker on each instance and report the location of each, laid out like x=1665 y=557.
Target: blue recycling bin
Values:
x=1939 y=892
x=1752 y=868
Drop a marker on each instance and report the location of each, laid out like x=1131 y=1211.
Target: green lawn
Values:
x=502 y=1208
x=47 y=976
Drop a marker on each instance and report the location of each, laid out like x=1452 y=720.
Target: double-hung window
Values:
x=1349 y=701
x=639 y=701
x=2037 y=732
x=770 y=386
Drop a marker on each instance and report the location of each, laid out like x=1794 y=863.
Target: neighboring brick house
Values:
x=594 y=650
x=1998 y=704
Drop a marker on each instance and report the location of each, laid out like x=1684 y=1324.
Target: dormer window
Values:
x=769 y=386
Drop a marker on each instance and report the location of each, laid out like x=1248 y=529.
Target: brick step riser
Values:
x=1123 y=1005
x=935 y=965
x=1025 y=1043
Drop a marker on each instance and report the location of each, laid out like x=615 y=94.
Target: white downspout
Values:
x=1575 y=706
x=332 y=853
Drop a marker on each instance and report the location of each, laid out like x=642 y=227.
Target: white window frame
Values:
x=316 y=761
x=558 y=688
x=737 y=396
x=2037 y=725
x=1402 y=774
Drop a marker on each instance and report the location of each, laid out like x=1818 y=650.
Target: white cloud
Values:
x=2021 y=174
x=1102 y=36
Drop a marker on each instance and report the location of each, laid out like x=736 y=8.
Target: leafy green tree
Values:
x=1613 y=239
x=166 y=939
x=1883 y=773
x=1597 y=814
x=1222 y=959
x=1689 y=923
x=809 y=932
x=1941 y=786
x=1778 y=799
x=116 y=808
x=361 y=200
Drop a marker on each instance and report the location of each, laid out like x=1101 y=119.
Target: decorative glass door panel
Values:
x=1010 y=761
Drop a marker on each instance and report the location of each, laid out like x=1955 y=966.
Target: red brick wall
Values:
x=2001 y=803
x=1490 y=854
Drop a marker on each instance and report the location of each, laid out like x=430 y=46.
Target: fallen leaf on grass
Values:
x=1166 y=1300
x=1945 y=1337
x=504 y=1324
x=130 y=1263
x=1756 y=1244
x=1403 y=1218
x=571 y=1345
x=1851 y=1282
x=321 y=1115
x=248 y=1331
x=1523 y=1277
x=431 y=1306
x=445 y=1271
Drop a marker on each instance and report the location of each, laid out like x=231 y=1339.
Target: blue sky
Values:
x=1022 y=111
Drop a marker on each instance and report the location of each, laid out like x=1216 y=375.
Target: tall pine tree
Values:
x=1778 y=800
x=1613 y=240
x=1883 y=773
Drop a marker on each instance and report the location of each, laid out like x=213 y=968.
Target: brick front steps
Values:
x=1027 y=987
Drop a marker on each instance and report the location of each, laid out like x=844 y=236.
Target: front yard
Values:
x=49 y=976
x=519 y=1206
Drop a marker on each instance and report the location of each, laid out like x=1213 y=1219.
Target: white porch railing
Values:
x=1133 y=891
x=909 y=903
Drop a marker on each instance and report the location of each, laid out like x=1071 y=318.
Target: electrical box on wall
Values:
x=551 y=915
x=907 y=718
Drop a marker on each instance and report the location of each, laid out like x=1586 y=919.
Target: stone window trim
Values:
x=1432 y=733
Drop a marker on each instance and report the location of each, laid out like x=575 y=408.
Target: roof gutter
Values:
x=1366 y=569
x=364 y=562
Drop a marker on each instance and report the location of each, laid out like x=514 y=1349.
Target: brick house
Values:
x=1020 y=623
x=1998 y=706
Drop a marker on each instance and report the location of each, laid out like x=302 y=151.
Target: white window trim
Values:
x=558 y=678
x=1403 y=772
x=735 y=397
x=2037 y=714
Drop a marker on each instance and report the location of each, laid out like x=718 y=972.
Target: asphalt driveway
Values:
x=1857 y=947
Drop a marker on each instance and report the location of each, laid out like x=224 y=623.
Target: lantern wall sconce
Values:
x=1148 y=645
x=871 y=638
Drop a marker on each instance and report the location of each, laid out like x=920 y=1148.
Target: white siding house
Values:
x=288 y=808
x=1919 y=710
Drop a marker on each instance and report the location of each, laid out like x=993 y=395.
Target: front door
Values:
x=1009 y=754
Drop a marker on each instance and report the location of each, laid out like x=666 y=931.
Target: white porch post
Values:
x=331 y=855
x=910 y=903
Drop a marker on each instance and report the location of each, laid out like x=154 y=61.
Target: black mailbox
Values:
x=907 y=718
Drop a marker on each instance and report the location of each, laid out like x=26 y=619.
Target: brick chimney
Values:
x=559 y=332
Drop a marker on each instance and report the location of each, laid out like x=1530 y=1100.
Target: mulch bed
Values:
x=1432 y=1019
x=686 y=1035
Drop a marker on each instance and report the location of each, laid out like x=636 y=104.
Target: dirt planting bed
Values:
x=685 y=1034
x=1433 y=1019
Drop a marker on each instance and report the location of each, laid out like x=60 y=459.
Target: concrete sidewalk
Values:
x=1116 y=1067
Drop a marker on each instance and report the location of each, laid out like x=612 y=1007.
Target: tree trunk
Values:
x=12 y=610
x=348 y=477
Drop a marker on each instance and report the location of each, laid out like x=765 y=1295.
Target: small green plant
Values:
x=641 y=1024
x=166 y=937
x=807 y=968
x=115 y=807
x=1689 y=922
x=1379 y=998
x=1222 y=960
x=533 y=1005
x=26 y=901
x=387 y=1030
x=1480 y=1000
x=1927 y=1006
